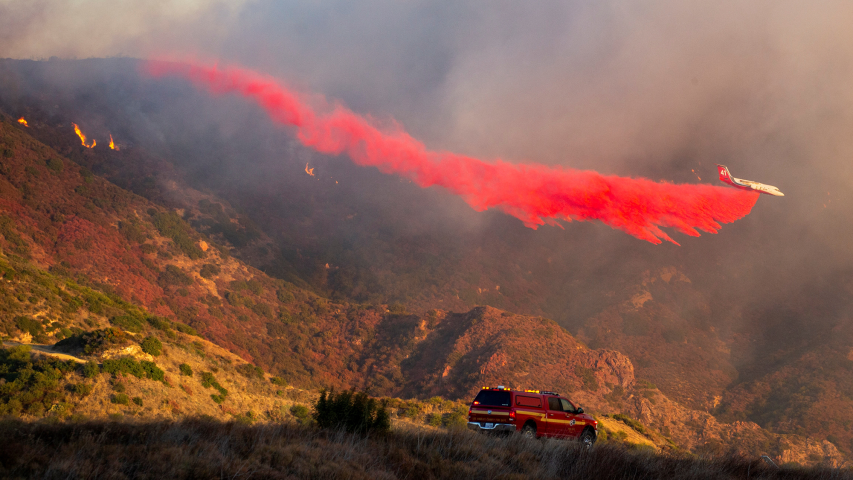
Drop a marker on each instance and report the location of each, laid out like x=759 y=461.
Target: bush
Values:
x=152 y=371
x=456 y=419
x=300 y=411
x=169 y=224
x=127 y=365
x=184 y=328
x=91 y=369
x=631 y=423
x=137 y=400
x=152 y=346
x=434 y=419
x=209 y=270
x=173 y=275
x=29 y=325
x=55 y=165
x=186 y=370
x=83 y=389
x=119 y=399
x=397 y=309
x=278 y=381
x=94 y=342
x=355 y=412
x=128 y=322
x=207 y=381
x=250 y=371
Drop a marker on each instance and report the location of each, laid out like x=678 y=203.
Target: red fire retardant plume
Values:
x=535 y=194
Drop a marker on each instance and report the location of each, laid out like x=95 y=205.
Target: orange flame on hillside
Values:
x=23 y=122
x=83 y=137
x=309 y=171
x=112 y=143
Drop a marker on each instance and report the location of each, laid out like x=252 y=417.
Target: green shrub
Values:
x=412 y=411
x=127 y=365
x=83 y=389
x=285 y=296
x=186 y=370
x=263 y=310
x=169 y=224
x=397 y=309
x=152 y=371
x=184 y=328
x=137 y=400
x=128 y=322
x=207 y=381
x=302 y=414
x=29 y=325
x=91 y=369
x=355 y=412
x=119 y=387
x=631 y=423
x=209 y=270
x=457 y=419
x=119 y=399
x=94 y=342
x=434 y=419
x=173 y=275
x=250 y=371
x=132 y=231
x=152 y=346
x=278 y=381
x=55 y=165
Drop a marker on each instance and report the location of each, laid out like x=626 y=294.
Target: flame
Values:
x=694 y=173
x=23 y=122
x=83 y=137
x=309 y=171
x=112 y=143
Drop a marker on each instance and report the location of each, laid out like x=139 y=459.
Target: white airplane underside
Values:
x=727 y=177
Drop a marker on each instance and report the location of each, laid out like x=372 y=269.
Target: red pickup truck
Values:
x=533 y=413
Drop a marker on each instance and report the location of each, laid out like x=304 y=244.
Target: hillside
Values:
x=83 y=254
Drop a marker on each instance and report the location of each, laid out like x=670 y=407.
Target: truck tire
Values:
x=529 y=431
x=587 y=438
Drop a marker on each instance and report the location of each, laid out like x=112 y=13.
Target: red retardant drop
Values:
x=535 y=194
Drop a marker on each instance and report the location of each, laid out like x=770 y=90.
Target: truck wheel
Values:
x=529 y=431
x=587 y=438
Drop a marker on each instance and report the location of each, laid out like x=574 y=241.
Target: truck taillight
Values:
x=469 y=414
x=512 y=415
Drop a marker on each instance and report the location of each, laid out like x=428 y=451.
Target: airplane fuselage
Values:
x=727 y=178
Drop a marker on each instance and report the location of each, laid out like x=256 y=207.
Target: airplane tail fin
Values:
x=725 y=176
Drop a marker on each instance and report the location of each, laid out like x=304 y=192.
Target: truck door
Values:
x=558 y=419
x=576 y=424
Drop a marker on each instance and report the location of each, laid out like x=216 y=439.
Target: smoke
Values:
x=533 y=193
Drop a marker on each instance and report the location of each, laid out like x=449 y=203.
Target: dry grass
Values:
x=210 y=449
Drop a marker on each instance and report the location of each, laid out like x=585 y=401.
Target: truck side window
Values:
x=554 y=404
x=567 y=407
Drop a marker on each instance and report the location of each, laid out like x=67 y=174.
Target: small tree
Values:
x=152 y=346
x=355 y=412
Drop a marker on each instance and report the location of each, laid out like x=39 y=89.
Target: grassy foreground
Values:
x=210 y=449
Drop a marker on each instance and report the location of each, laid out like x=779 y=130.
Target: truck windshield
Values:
x=490 y=397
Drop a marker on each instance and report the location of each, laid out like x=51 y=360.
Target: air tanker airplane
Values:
x=727 y=177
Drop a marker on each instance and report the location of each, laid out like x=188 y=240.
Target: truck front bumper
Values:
x=491 y=427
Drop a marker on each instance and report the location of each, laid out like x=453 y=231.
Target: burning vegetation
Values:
x=23 y=121
x=83 y=137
